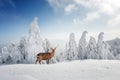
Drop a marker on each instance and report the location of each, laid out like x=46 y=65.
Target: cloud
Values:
x=114 y=22
x=69 y=8
x=99 y=7
x=91 y=16
x=59 y=4
x=95 y=9
x=106 y=9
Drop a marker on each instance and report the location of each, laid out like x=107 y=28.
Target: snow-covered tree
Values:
x=92 y=49
x=103 y=48
x=46 y=45
x=0 y=56
x=22 y=49
x=61 y=57
x=34 y=32
x=107 y=50
x=34 y=45
x=66 y=52
x=115 y=47
x=72 y=48
x=82 y=46
x=6 y=57
x=4 y=54
x=15 y=53
x=100 y=45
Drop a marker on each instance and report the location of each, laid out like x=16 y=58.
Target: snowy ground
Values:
x=74 y=70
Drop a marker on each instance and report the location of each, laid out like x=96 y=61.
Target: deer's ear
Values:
x=54 y=48
x=51 y=48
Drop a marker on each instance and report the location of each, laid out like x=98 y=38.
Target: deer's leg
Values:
x=47 y=61
x=36 y=61
x=39 y=61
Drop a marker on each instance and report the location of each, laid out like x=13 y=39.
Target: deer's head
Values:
x=53 y=49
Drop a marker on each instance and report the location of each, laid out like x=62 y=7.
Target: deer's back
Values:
x=44 y=55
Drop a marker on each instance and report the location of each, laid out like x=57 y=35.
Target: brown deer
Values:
x=45 y=56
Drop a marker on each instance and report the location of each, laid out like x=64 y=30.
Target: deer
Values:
x=45 y=56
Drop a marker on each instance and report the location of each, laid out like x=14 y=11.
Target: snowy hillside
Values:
x=73 y=70
x=25 y=50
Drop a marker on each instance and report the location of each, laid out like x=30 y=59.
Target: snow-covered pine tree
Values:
x=4 y=55
x=72 y=48
x=46 y=45
x=0 y=59
x=100 y=46
x=15 y=53
x=108 y=51
x=115 y=47
x=82 y=46
x=92 y=49
x=22 y=49
x=103 y=48
x=66 y=52
x=34 y=45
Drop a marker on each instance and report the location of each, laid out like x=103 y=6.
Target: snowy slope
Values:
x=74 y=70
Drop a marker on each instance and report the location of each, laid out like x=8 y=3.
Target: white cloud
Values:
x=106 y=9
x=59 y=4
x=114 y=22
x=55 y=4
x=91 y=16
x=69 y=8
x=96 y=9
x=88 y=3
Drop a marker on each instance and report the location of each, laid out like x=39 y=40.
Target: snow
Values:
x=72 y=70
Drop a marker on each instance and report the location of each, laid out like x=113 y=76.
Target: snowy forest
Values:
x=27 y=48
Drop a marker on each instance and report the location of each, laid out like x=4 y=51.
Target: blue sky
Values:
x=59 y=17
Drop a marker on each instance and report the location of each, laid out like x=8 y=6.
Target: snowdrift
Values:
x=73 y=70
